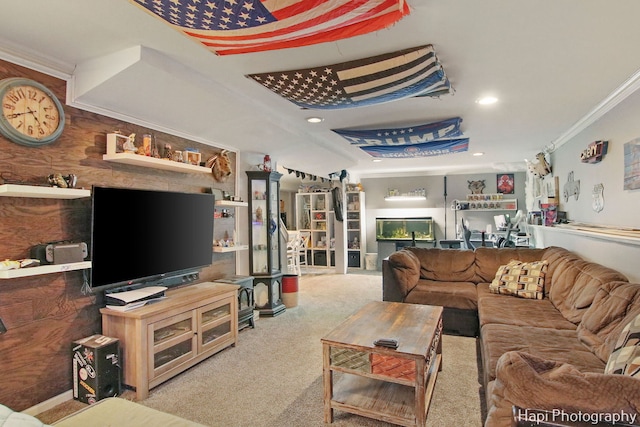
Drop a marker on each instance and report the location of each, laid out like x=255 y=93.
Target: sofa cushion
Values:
x=575 y=284
x=614 y=306
x=520 y=279
x=405 y=268
x=561 y=345
x=528 y=381
x=496 y=308
x=625 y=358
x=460 y=295
x=556 y=257
x=448 y=265
x=489 y=259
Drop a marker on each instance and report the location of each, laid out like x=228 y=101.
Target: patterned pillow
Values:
x=625 y=358
x=520 y=279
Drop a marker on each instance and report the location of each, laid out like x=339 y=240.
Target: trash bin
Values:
x=290 y=290
x=371 y=261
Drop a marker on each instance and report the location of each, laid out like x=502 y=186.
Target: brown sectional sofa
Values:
x=549 y=353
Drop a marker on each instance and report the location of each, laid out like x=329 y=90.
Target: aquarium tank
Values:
x=393 y=229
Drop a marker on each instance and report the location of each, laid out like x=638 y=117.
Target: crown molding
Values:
x=623 y=91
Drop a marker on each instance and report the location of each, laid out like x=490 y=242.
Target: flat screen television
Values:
x=142 y=236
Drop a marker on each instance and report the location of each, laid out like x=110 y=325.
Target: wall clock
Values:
x=31 y=113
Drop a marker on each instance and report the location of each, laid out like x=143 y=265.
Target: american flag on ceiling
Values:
x=431 y=139
x=410 y=72
x=241 y=26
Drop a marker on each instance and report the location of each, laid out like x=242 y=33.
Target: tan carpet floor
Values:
x=273 y=377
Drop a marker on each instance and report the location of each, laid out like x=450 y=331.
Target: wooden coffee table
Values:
x=394 y=386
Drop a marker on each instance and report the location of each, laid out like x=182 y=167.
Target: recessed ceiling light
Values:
x=314 y=119
x=376 y=160
x=478 y=154
x=487 y=100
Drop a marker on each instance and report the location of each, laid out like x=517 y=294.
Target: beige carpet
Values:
x=273 y=377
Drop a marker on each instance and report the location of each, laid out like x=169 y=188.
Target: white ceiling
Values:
x=549 y=62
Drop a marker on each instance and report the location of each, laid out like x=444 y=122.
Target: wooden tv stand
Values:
x=164 y=338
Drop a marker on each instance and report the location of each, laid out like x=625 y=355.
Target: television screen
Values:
x=143 y=235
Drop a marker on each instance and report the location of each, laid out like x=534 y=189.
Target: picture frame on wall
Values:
x=505 y=183
x=632 y=164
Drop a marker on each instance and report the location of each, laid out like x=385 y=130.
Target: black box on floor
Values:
x=319 y=258
x=96 y=368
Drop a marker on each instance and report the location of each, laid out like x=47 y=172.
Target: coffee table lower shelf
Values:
x=380 y=399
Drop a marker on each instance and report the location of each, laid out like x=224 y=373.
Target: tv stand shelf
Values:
x=162 y=339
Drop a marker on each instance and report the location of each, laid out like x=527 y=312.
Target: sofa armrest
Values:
x=527 y=381
x=400 y=274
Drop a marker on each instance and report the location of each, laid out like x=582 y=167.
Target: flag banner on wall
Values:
x=403 y=136
x=425 y=149
x=231 y=27
x=382 y=78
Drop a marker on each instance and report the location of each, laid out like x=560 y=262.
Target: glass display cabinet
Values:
x=264 y=235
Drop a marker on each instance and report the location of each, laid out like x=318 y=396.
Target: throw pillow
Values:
x=520 y=279
x=625 y=358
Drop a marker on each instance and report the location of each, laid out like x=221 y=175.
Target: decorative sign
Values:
x=594 y=152
x=571 y=188
x=597 y=196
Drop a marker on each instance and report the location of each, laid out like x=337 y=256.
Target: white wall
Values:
x=622 y=207
x=457 y=188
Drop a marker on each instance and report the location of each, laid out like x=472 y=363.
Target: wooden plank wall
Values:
x=45 y=314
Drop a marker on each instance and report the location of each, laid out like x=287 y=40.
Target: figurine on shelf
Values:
x=259 y=217
x=129 y=146
x=220 y=165
x=168 y=152
x=62 y=181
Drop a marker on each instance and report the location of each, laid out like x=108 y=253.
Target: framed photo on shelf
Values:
x=505 y=183
x=192 y=157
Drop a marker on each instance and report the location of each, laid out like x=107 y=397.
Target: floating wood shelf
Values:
x=152 y=162
x=231 y=203
x=44 y=269
x=235 y=248
x=34 y=191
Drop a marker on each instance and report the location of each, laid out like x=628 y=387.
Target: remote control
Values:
x=386 y=342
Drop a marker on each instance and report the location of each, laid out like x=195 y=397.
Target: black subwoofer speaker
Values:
x=96 y=368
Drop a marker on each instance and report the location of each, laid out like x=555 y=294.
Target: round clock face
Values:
x=31 y=113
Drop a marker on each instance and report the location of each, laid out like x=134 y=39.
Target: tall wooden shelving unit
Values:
x=314 y=214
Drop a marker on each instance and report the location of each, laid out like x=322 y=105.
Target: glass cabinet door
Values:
x=172 y=341
x=264 y=194
x=259 y=226
x=274 y=226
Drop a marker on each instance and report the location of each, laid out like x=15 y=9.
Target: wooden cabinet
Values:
x=314 y=214
x=162 y=339
x=356 y=230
